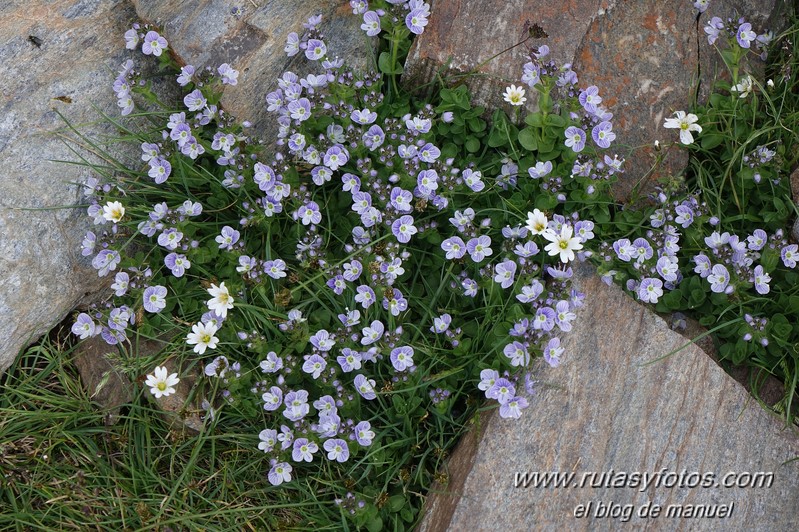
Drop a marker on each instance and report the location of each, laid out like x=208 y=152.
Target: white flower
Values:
x=160 y=383
x=202 y=337
x=744 y=87
x=221 y=300
x=536 y=222
x=563 y=244
x=515 y=95
x=113 y=211
x=686 y=124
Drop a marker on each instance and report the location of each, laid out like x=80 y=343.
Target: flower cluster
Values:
x=363 y=254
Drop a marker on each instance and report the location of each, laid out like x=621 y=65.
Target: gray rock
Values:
x=643 y=56
x=616 y=404
x=57 y=56
x=251 y=39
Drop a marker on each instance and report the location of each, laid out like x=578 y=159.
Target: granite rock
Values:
x=58 y=57
x=250 y=36
x=643 y=55
x=618 y=404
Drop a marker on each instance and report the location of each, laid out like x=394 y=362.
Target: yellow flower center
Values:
x=161 y=386
x=563 y=244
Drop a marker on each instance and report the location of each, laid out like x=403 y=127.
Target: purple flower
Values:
x=744 y=36
x=296 y=405
x=87 y=246
x=280 y=473
x=309 y=213
x=713 y=29
x=396 y=304
x=335 y=157
x=315 y=50
x=441 y=324
x=272 y=399
x=106 y=261
x=374 y=137
x=322 y=340
x=185 y=76
x=84 y=327
x=642 y=250
x=517 y=353
x=349 y=360
x=300 y=110
x=177 y=264
x=703 y=265
x=427 y=181
x=553 y=351
x=337 y=284
x=531 y=292
x=365 y=387
x=719 y=278
x=195 y=101
x=513 y=408
x=788 y=255
x=544 y=319
x=371 y=23
x=303 y=450
x=603 y=135
x=365 y=296
x=352 y=183
x=372 y=333
x=761 y=280
x=352 y=270
x=402 y=358
x=337 y=450
x=363 y=116
x=403 y=229
x=401 y=199
x=229 y=75
x=668 y=268
x=314 y=366
x=469 y=287
x=276 y=269
x=473 y=180
x=153 y=298
x=487 y=379
x=120 y=285
x=154 y=44
x=363 y=433
x=540 y=169
x=589 y=99
x=416 y=20
x=131 y=39
x=160 y=169
x=228 y=238
x=564 y=316
x=272 y=363
x=479 y=248
x=455 y=247
x=757 y=240
x=429 y=153
x=685 y=215
x=575 y=139
x=650 y=290
x=505 y=273
x=502 y=390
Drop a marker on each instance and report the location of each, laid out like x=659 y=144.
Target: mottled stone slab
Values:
x=57 y=56
x=251 y=36
x=616 y=405
x=645 y=57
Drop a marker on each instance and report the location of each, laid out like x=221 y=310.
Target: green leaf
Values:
x=472 y=145
x=528 y=140
x=711 y=140
x=396 y=503
x=386 y=66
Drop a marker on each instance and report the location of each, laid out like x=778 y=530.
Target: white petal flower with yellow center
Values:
x=161 y=383
x=221 y=300
x=515 y=95
x=685 y=123
x=113 y=211
x=202 y=337
x=563 y=243
x=536 y=222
